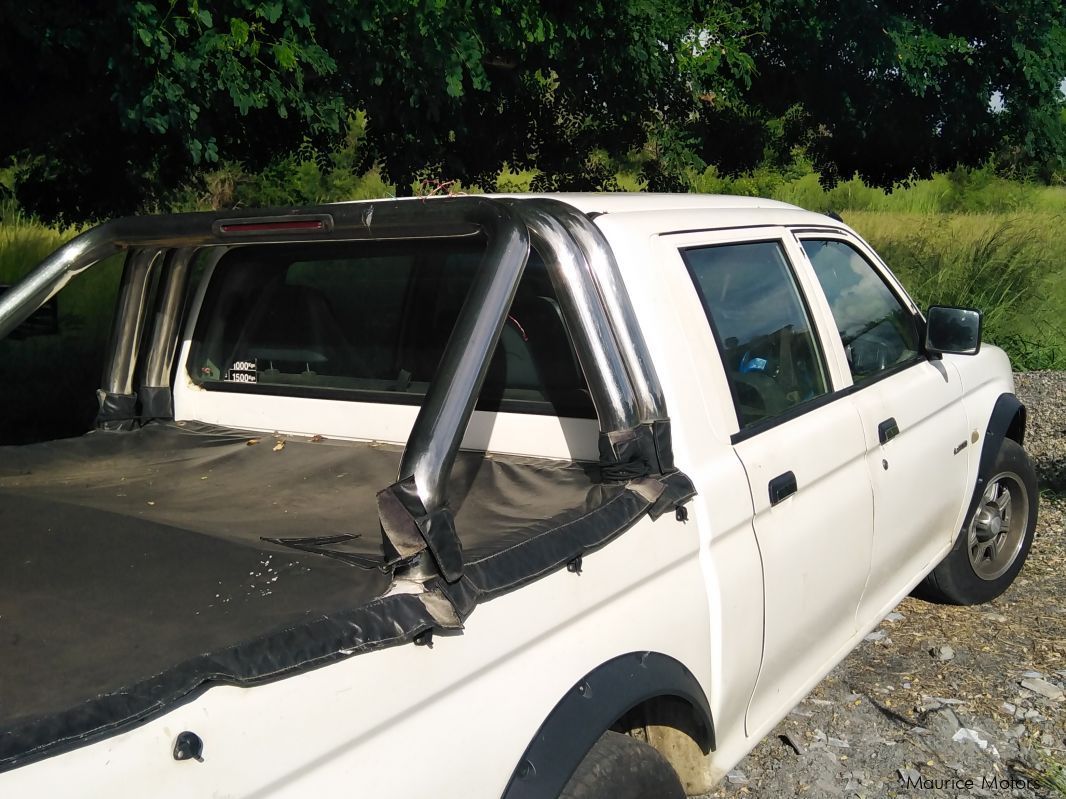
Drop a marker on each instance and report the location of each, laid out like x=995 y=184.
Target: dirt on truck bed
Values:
x=945 y=701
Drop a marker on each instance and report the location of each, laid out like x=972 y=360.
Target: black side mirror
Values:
x=43 y=322
x=956 y=331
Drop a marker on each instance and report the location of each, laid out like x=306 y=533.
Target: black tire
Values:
x=621 y=767
x=973 y=572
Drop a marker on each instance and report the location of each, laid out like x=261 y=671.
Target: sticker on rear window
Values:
x=243 y=372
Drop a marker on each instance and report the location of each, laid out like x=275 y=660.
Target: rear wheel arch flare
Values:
x=604 y=699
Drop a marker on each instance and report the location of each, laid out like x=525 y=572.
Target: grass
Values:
x=50 y=381
x=1010 y=265
x=1048 y=774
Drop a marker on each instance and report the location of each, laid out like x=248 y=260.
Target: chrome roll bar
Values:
x=126 y=335
x=442 y=420
x=164 y=344
x=51 y=275
x=590 y=330
x=597 y=310
x=603 y=269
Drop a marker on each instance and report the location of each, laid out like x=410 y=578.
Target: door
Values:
x=912 y=417
x=804 y=454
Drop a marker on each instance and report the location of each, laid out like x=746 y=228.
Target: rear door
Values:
x=912 y=417
x=803 y=452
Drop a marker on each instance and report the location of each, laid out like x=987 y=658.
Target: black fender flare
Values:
x=591 y=706
x=1007 y=421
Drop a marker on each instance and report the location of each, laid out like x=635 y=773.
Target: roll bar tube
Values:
x=129 y=320
x=590 y=330
x=607 y=278
x=442 y=420
x=52 y=274
x=164 y=344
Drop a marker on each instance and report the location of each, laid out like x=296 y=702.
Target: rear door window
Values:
x=370 y=322
x=771 y=356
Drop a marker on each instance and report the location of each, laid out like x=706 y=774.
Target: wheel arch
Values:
x=1007 y=420
x=638 y=690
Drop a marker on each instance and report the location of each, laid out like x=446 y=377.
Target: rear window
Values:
x=369 y=322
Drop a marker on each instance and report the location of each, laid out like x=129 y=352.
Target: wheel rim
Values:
x=997 y=529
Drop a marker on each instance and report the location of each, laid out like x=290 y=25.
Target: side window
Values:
x=876 y=329
x=762 y=327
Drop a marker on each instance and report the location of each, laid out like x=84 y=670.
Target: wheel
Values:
x=993 y=545
x=621 y=767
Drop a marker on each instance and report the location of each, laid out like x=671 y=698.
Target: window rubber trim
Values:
x=518 y=406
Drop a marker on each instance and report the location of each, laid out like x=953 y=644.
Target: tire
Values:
x=992 y=546
x=621 y=767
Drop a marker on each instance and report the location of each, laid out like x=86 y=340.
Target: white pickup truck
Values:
x=484 y=496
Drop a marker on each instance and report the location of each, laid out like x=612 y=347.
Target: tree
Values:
x=903 y=88
x=109 y=106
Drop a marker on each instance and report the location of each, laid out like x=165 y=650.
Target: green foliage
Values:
x=1008 y=266
x=147 y=96
x=50 y=381
x=103 y=113
x=1048 y=773
x=959 y=191
x=893 y=91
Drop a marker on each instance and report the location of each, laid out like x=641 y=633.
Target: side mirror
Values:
x=42 y=322
x=956 y=331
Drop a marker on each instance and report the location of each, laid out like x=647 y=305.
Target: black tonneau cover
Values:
x=139 y=567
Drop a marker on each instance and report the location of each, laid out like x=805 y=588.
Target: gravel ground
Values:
x=944 y=701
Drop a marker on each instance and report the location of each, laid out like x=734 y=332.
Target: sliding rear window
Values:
x=369 y=322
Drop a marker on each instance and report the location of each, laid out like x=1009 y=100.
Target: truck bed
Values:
x=140 y=567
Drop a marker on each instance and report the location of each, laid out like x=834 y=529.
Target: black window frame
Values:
x=743 y=433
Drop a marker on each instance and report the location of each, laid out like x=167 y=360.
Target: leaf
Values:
x=454 y=81
x=271 y=12
x=284 y=55
x=238 y=29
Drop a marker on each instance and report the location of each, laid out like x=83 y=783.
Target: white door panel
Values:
x=918 y=475
x=815 y=545
x=764 y=368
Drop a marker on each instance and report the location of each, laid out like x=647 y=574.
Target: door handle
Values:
x=887 y=430
x=784 y=485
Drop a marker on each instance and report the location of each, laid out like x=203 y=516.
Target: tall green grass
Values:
x=962 y=191
x=1011 y=266
x=48 y=383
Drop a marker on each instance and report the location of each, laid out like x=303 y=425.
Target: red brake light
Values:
x=305 y=224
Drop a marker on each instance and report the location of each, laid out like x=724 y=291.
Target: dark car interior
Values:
x=370 y=322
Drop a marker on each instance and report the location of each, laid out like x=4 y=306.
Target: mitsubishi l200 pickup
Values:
x=535 y=496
